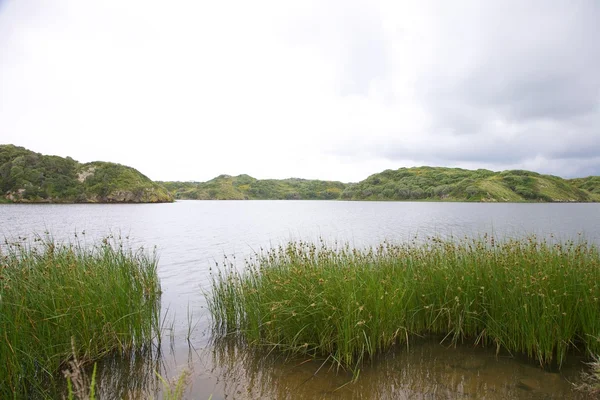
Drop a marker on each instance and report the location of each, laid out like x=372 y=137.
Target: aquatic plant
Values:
x=102 y=299
x=537 y=297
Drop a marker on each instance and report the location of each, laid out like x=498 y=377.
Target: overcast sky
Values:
x=187 y=90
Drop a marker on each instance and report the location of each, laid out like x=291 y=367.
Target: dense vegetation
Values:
x=590 y=184
x=244 y=187
x=423 y=183
x=26 y=176
x=63 y=300
x=526 y=296
x=455 y=184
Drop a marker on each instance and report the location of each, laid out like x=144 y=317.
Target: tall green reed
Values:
x=102 y=298
x=528 y=296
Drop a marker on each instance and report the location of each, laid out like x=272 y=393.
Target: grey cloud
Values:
x=589 y=170
x=571 y=167
x=529 y=70
x=536 y=97
x=476 y=149
x=532 y=66
x=498 y=149
x=588 y=149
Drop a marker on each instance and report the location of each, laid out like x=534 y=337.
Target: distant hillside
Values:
x=244 y=187
x=590 y=184
x=26 y=176
x=29 y=177
x=455 y=184
x=422 y=183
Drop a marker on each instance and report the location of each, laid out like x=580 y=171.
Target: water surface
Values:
x=191 y=236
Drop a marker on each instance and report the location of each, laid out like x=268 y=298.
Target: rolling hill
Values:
x=456 y=184
x=29 y=177
x=419 y=183
x=245 y=187
x=26 y=176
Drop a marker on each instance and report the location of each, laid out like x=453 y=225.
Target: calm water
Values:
x=192 y=235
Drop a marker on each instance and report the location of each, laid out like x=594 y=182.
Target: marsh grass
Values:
x=67 y=301
x=529 y=296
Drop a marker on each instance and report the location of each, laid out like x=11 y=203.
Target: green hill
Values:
x=26 y=176
x=422 y=183
x=455 y=184
x=29 y=177
x=244 y=187
x=590 y=184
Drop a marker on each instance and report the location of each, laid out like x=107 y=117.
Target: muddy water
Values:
x=192 y=235
x=426 y=370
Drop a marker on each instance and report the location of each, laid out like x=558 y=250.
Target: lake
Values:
x=191 y=236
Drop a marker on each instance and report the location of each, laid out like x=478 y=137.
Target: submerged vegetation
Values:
x=29 y=177
x=422 y=183
x=538 y=298
x=60 y=302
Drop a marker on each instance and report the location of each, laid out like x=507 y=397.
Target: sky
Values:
x=316 y=89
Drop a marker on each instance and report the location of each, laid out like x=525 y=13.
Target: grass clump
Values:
x=527 y=296
x=60 y=302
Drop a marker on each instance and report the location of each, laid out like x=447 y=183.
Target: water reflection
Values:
x=426 y=370
x=120 y=376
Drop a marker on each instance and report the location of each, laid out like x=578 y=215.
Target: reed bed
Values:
x=60 y=301
x=529 y=296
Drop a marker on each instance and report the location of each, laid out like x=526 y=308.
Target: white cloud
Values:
x=334 y=90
